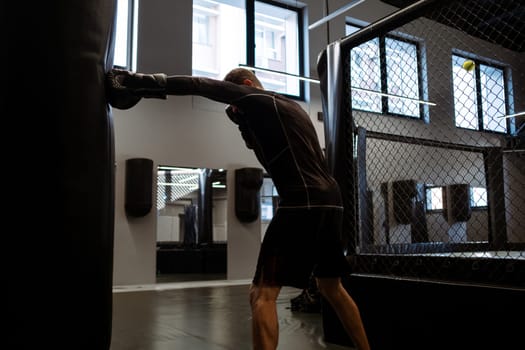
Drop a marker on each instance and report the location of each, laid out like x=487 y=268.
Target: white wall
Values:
x=191 y=131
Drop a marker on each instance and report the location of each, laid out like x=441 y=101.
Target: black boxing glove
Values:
x=234 y=117
x=125 y=89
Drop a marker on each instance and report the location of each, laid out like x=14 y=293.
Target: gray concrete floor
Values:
x=213 y=315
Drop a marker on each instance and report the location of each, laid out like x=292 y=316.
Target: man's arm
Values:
x=125 y=88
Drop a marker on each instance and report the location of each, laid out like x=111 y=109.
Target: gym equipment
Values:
x=125 y=89
x=60 y=275
x=248 y=182
x=139 y=186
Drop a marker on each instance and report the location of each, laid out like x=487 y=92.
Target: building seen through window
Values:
x=221 y=41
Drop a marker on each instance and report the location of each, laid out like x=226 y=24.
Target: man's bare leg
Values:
x=346 y=309
x=265 y=324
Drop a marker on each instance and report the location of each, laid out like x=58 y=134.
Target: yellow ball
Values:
x=469 y=65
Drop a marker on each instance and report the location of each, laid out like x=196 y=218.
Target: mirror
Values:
x=191 y=223
x=192 y=210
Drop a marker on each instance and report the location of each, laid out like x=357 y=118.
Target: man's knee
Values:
x=329 y=287
x=261 y=295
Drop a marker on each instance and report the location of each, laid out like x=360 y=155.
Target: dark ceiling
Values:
x=500 y=22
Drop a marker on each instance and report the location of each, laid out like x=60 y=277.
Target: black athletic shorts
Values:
x=300 y=242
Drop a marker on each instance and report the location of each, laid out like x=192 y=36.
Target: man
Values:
x=305 y=234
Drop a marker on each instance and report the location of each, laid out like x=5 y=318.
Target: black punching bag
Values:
x=248 y=182
x=139 y=186
x=456 y=200
x=59 y=293
x=403 y=197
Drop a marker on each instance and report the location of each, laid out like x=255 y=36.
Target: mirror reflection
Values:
x=191 y=223
x=192 y=211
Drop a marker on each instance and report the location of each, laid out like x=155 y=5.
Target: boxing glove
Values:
x=125 y=89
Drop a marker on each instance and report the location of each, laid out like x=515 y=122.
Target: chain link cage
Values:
x=433 y=101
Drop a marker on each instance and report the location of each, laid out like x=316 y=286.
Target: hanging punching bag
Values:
x=138 y=195
x=248 y=182
x=60 y=275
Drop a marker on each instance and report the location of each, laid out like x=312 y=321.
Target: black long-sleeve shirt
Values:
x=280 y=133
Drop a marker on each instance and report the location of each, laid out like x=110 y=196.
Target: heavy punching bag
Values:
x=138 y=199
x=62 y=193
x=248 y=182
x=403 y=197
x=456 y=198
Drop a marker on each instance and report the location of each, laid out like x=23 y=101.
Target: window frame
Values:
x=250 y=54
x=479 y=97
x=130 y=35
x=422 y=115
x=251 y=37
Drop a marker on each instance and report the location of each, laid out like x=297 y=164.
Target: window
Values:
x=124 y=35
x=277 y=47
x=268 y=200
x=222 y=41
x=385 y=76
x=480 y=99
x=219 y=37
x=434 y=198
x=478 y=197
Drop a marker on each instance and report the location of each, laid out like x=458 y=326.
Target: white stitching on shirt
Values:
x=288 y=142
x=292 y=152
